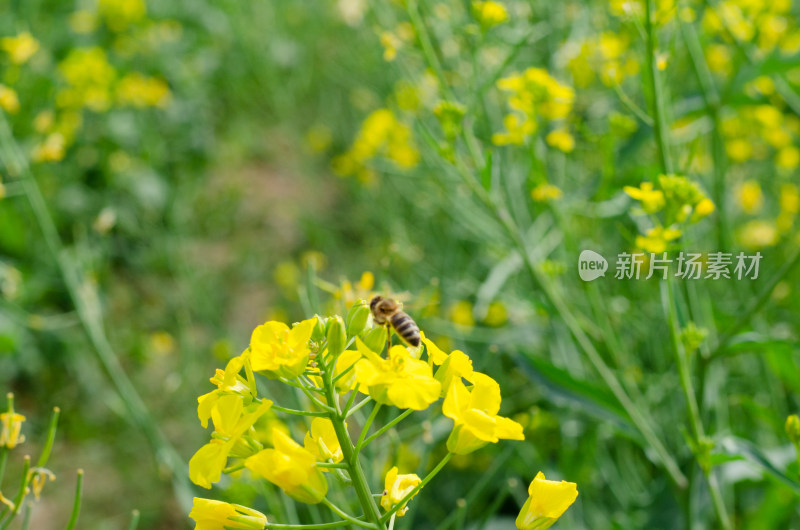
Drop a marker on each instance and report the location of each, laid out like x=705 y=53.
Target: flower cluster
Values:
x=382 y=134
x=333 y=361
x=534 y=96
x=674 y=202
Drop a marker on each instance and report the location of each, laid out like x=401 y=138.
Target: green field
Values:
x=589 y=209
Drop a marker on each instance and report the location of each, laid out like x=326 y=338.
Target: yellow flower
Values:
x=652 y=200
x=83 y=22
x=518 y=129
x=461 y=313
x=750 y=197
x=657 y=238
x=546 y=192
x=279 y=351
x=453 y=367
x=396 y=488
x=400 y=380
x=20 y=48
x=547 y=501
x=561 y=139
x=141 y=91
x=217 y=515
x=89 y=75
x=10 y=435
x=489 y=14
x=788 y=157
x=702 y=209
x=322 y=442
x=228 y=382
x=758 y=234
x=9 y=101
x=51 y=150
x=206 y=466
x=120 y=13
x=291 y=468
x=475 y=415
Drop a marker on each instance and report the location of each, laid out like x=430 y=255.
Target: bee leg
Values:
x=388 y=338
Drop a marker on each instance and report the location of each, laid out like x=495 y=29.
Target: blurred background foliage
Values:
x=201 y=169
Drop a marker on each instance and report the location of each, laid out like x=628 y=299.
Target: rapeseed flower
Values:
x=651 y=199
x=51 y=150
x=561 y=139
x=279 y=351
x=9 y=101
x=400 y=380
x=205 y=467
x=750 y=197
x=140 y=91
x=321 y=441
x=290 y=467
x=10 y=435
x=758 y=234
x=452 y=367
x=547 y=501
x=475 y=415
x=657 y=239
x=489 y=13
x=396 y=487
x=546 y=192
x=20 y=48
x=217 y=515
x=228 y=382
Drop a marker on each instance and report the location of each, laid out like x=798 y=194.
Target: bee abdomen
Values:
x=405 y=326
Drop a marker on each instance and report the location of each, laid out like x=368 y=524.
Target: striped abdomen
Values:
x=405 y=326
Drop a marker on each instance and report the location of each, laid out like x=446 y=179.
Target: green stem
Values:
x=362 y=444
x=20 y=497
x=3 y=460
x=659 y=115
x=278 y=526
x=90 y=314
x=76 y=506
x=418 y=487
x=299 y=412
x=134 y=520
x=355 y=409
x=344 y=515
x=350 y=456
x=366 y=427
x=696 y=423
x=51 y=436
x=332 y=465
x=350 y=400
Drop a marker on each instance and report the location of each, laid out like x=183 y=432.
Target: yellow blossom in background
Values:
x=381 y=134
x=546 y=192
x=460 y=313
x=496 y=314
x=396 y=487
x=290 y=467
x=209 y=514
x=719 y=59
x=280 y=351
x=400 y=380
x=547 y=501
x=651 y=199
x=162 y=343
x=83 y=22
x=51 y=150
x=561 y=139
x=20 y=48
x=321 y=441
x=475 y=416
x=141 y=91
x=10 y=435
x=758 y=234
x=788 y=158
x=703 y=209
x=489 y=13
x=517 y=130
x=89 y=75
x=750 y=197
x=9 y=101
x=119 y=14
x=44 y=121
x=657 y=239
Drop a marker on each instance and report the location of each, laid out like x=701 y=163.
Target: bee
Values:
x=387 y=312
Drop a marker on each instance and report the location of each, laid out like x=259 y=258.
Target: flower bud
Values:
x=793 y=428
x=375 y=338
x=319 y=329
x=357 y=318
x=337 y=337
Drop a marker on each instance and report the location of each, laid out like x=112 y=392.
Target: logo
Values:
x=591 y=265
